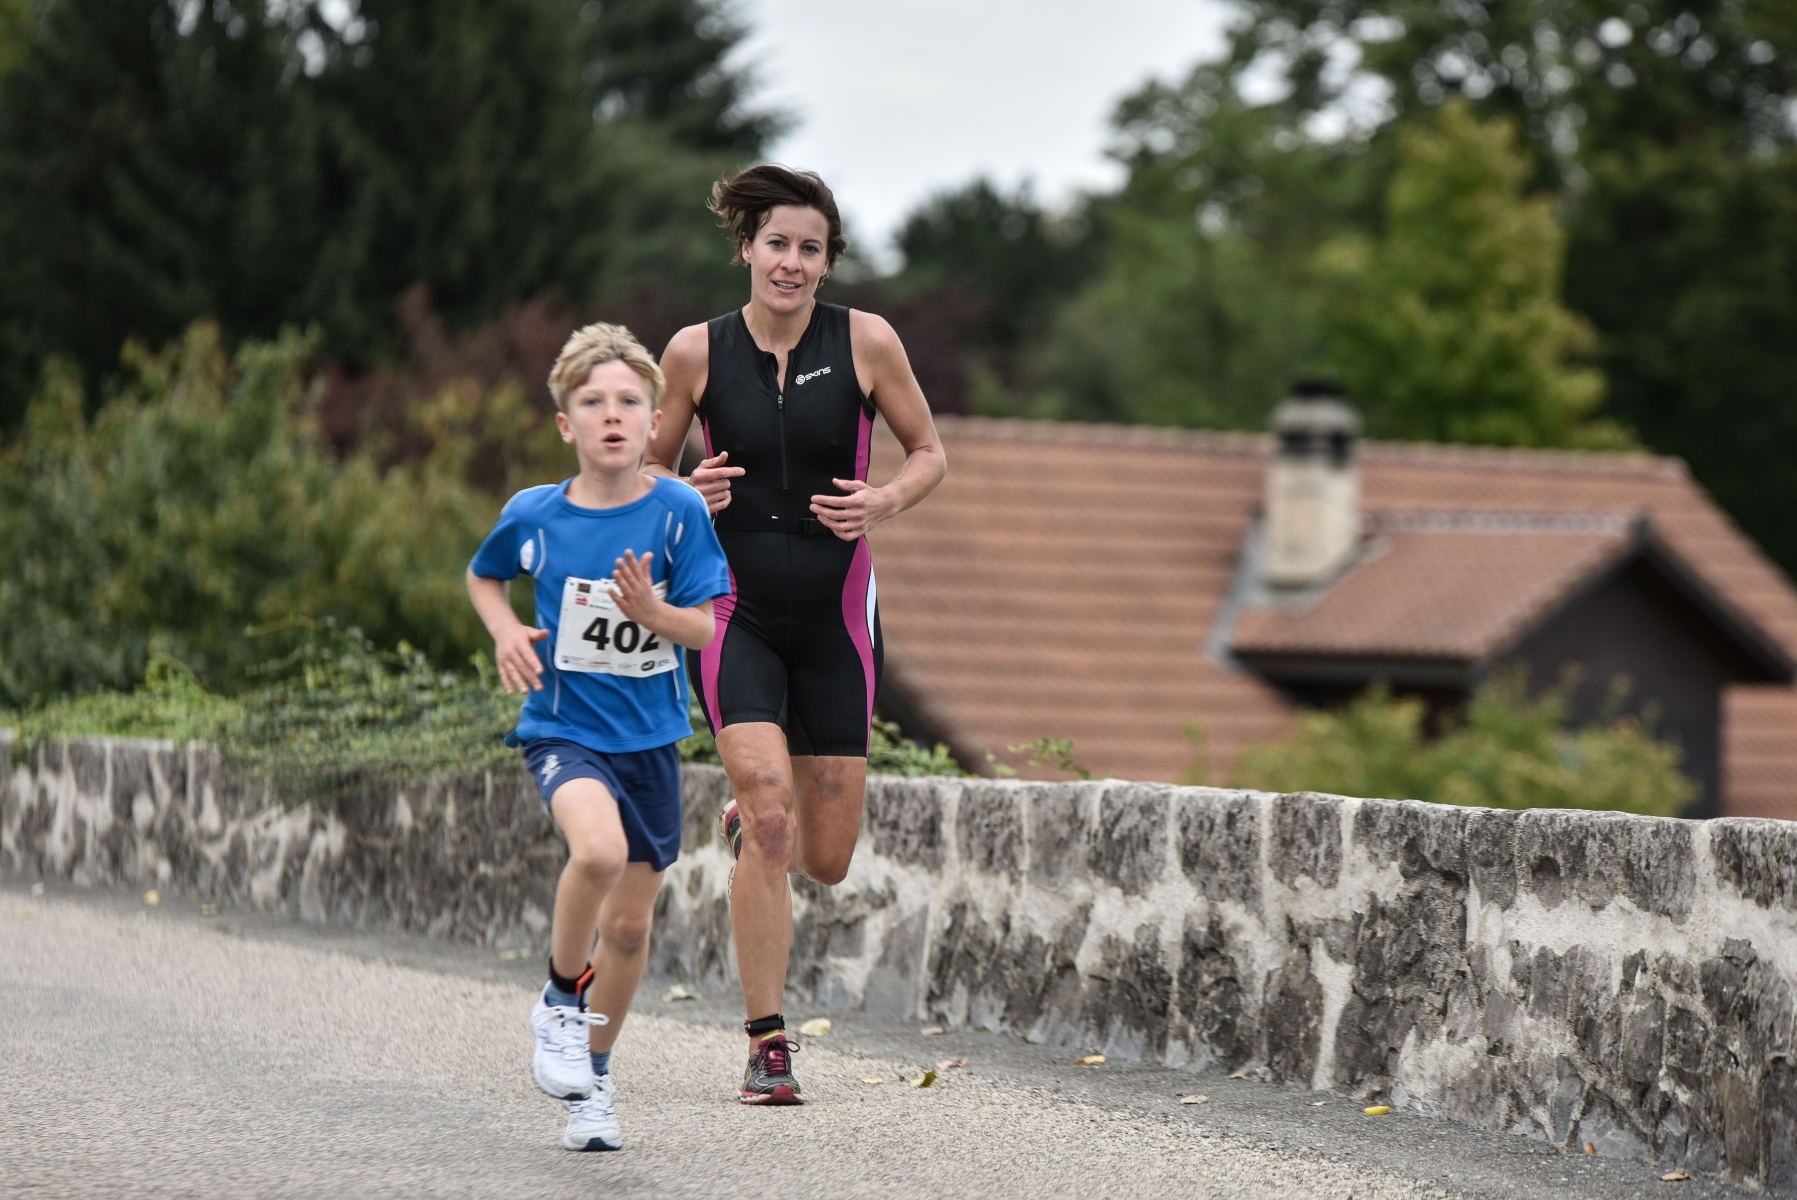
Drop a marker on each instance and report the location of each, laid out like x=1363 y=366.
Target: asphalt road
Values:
x=155 y=1051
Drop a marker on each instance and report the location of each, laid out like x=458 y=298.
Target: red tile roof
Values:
x=1437 y=594
x=1064 y=580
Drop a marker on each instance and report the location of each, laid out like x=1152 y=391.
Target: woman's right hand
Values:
x=712 y=478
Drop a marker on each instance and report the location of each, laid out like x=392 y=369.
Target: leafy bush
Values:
x=1509 y=752
x=201 y=502
x=334 y=714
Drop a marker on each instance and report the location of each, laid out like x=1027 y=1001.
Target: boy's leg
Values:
x=623 y=952
x=597 y=854
x=587 y=814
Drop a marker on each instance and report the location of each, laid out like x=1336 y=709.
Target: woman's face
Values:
x=788 y=257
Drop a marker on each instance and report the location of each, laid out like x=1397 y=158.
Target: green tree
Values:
x=1662 y=129
x=1511 y=751
x=1449 y=327
x=262 y=165
x=15 y=33
x=1206 y=303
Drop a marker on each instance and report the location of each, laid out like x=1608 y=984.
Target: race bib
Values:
x=595 y=637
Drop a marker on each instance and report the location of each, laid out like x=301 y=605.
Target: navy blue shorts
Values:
x=645 y=783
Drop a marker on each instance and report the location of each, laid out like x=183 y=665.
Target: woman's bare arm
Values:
x=886 y=376
x=687 y=364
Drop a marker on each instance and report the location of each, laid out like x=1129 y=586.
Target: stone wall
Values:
x=1588 y=978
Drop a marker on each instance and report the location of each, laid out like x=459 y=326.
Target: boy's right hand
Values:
x=519 y=667
x=712 y=478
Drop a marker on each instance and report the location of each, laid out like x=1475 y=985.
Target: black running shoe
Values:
x=768 y=1079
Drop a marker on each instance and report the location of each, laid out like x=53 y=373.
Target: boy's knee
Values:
x=626 y=935
x=597 y=858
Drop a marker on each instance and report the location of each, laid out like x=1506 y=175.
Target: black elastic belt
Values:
x=729 y=522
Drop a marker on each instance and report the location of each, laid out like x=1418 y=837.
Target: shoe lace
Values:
x=776 y=1055
x=573 y=1044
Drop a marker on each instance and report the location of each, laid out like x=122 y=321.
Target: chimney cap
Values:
x=1316 y=416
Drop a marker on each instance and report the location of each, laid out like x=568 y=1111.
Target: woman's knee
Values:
x=770 y=829
x=832 y=870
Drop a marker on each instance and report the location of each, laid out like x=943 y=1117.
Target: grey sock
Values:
x=601 y=1062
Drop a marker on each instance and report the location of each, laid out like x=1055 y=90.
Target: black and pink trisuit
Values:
x=799 y=635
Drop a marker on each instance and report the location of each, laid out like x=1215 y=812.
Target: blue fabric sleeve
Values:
x=699 y=571
x=497 y=557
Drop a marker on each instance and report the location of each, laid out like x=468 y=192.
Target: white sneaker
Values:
x=593 y=1122
x=561 y=1064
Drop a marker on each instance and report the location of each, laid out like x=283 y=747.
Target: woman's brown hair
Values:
x=744 y=201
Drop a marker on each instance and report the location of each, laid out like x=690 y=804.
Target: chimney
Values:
x=1313 y=487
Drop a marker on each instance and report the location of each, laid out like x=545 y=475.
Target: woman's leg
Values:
x=755 y=758
x=597 y=853
x=828 y=794
x=623 y=952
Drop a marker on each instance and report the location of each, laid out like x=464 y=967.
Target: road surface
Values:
x=156 y=1051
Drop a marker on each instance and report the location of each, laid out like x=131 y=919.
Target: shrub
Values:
x=1510 y=751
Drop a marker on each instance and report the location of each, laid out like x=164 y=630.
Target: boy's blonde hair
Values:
x=594 y=346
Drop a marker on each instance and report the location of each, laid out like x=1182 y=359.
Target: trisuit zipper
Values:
x=780 y=408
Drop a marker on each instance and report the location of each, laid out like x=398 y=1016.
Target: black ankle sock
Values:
x=562 y=983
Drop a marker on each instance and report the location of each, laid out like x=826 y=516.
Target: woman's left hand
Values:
x=850 y=517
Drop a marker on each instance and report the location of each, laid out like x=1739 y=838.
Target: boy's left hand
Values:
x=633 y=588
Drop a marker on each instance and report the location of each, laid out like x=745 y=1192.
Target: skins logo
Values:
x=813 y=375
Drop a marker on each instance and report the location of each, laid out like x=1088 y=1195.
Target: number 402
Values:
x=626 y=635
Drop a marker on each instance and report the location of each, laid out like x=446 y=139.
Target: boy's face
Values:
x=609 y=419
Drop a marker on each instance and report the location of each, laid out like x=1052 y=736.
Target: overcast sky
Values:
x=899 y=99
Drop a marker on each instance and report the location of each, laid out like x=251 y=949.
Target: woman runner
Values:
x=786 y=390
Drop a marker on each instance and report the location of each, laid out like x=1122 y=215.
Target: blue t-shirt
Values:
x=541 y=533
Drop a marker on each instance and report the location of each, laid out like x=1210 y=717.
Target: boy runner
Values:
x=624 y=566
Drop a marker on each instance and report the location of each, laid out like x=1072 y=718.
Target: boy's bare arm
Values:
x=633 y=590
x=514 y=642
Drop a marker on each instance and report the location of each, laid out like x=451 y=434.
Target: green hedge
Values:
x=336 y=715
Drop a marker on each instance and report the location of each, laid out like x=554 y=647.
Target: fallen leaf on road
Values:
x=1318 y=1103
x=927 y=1079
x=1377 y=1110
x=37 y=889
x=873 y=1079
x=1090 y=1060
x=152 y=897
x=21 y=914
x=816 y=1027
x=949 y=1064
x=931 y=1030
x=1675 y=1176
x=680 y=992
x=1194 y=1099
x=211 y=910
x=1590 y=1149
x=1030 y=1039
